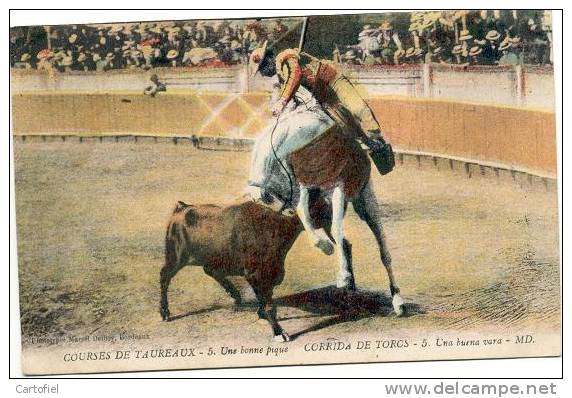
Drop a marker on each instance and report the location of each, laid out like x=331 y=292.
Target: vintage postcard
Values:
x=285 y=191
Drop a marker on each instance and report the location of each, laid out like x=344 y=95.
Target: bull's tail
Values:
x=177 y=236
x=176 y=253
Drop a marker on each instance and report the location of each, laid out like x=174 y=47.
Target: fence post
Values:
x=243 y=80
x=519 y=85
x=427 y=80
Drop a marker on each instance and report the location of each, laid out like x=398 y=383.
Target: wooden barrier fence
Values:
x=512 y=138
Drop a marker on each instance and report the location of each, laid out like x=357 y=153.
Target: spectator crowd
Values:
x=463 y=37
x=498 y=37
x=140 y=45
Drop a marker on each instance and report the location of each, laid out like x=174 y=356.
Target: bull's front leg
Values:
x=318 y=237
x=266 y=310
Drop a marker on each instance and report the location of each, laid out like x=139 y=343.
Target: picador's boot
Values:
x=381 y=152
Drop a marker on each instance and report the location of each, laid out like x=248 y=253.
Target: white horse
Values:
x=272 y=178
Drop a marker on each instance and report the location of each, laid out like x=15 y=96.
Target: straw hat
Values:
x=235 y=44
x=66 y=61
x=446 y=22
x=366 y=32
x=198 y=54
x=425 y=24
x=433 y=16
x=25 y=57
x=465 y=35
x=505 y=45
x=147 y=50
x=172 y=54
x=399 y=53
x=492 y=35
x=59 y=54
x=116 y=28
x=458 y=49
x=385 y=26
x=474 y=51
x=350 y=54
x=414 y=26
x=127 y=44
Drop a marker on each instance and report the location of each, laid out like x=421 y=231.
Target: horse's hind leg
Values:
x=367 y=208
x=345 y=277
x=228 y=286
x=319 y=237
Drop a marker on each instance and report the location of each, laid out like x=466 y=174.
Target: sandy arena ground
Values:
x=469 y=254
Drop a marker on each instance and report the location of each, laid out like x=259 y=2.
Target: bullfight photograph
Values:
x=285 y=190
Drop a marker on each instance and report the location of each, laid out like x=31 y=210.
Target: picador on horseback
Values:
x=331 y=89
x=321 y=120
x=310 y=159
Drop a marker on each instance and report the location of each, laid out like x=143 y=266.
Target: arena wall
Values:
x=498 y=115
x=515 y=138
x=521 y=86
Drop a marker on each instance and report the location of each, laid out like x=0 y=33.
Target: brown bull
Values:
x=246 y=239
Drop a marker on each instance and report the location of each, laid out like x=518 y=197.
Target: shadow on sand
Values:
x=340 y=306
x=196 y=312
x=337 y=305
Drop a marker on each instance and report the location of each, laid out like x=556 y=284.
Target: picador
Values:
x=333 y=91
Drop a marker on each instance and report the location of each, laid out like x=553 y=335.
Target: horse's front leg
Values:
x=367 y=208
x=318 y=237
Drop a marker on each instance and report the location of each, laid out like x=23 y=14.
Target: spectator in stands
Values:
x=509 y=57
x=389 y=41
x=459 y=55
x=277 y=30
x=45 y=60
x=474 y=55
x=368 y=42
x=24 y=62
x=537 y=40
x=434 y=55
x=490 y=49
x=476 y=26
x=350 y=57
x=173 y=56
x=147 y=45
